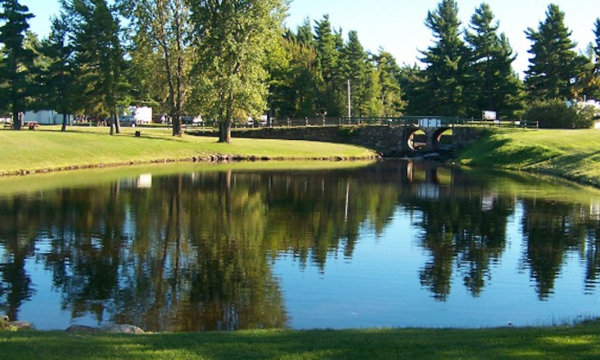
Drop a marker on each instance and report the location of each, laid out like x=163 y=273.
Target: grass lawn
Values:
x=571 y=154
x=48 y=148
x=561 y=342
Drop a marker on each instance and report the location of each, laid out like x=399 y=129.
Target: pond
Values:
x=280 y=245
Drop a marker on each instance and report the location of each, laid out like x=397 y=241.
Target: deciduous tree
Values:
x=165 y=25
x=233 y=36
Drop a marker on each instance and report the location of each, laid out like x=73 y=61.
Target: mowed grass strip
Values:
x=571 y=154
x=562 y=342
x=48 y=148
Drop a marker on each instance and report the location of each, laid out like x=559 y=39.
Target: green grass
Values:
x=561 y=342
x=48 y=148
x=571 y=154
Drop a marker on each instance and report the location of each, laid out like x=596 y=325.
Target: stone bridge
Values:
x=389 y=141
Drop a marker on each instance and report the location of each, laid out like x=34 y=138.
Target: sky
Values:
x=398 y=26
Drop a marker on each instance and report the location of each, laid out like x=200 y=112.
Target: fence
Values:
x=404 y=121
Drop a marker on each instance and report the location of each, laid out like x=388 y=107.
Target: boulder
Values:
x=82 y=329
x=124 y=329
x=20 y=325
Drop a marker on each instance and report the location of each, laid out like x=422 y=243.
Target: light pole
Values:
x=349 y=103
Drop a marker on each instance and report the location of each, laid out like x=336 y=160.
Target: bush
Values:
x=557 y=114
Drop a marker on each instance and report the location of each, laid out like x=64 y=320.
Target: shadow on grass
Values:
x=579 y=342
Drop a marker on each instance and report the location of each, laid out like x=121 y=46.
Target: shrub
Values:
x=557 y=114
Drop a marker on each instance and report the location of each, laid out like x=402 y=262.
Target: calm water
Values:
x=394 y=244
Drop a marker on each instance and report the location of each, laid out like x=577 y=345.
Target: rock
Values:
x=82 y=329
x=20 y=325
x=124 y=329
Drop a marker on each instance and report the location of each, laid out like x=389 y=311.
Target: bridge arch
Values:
x=415 y=138
x=438 y=141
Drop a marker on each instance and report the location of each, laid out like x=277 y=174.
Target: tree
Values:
x=99 y=55
x=328 y=55
x=594 y=83
x=354 y=67
x=494 y=84
x=390 y=94
x=16 y=60
x=166 y=25
x=304 y=33
x=554 y=67
x=57 y=77
x=446 y=62
x=597 y=46
x=234 y=36
x=296 y=81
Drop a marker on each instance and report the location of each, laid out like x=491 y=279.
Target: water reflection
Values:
x=195 y=251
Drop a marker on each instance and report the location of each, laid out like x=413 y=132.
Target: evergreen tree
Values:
x=493 y=83
x=446 y=62
x=297 y=81
x=555 y=65
x=57 y=77
x=99 y=56
x=327 y=46
x=390 y=94
x=413 y=83
x=596 y=46
x=594 y=91
x=17 y=61
x=304 y=33
x=355 y=68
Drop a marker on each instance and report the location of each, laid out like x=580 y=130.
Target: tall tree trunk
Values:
x=64 y=123
x=17 y=120
x=225 y=131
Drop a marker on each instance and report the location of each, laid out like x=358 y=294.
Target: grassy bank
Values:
x=50 y=149
x=571 y=154
x=562 y=342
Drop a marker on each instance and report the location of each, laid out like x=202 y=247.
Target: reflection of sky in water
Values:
x=380 y=287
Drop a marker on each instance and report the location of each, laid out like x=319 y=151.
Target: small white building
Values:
x=44 y=117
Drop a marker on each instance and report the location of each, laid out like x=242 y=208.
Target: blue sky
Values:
x=398 y=25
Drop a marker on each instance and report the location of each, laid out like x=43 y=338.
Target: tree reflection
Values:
x=551 y=229
x=17 y=237
x=463 y=229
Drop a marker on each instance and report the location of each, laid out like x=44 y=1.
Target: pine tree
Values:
x=297 y=81
x=17 y=61
x=328 y=55
x=554 y=67
x=304 y=33
x=57 y=77
x=390 y=94
x=493 y=83
x=596 y=46
x=446 y=63
x=99 y=56
x=595 y=78
x=355 y=68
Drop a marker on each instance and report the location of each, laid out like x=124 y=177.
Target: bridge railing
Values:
x=402 y=121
